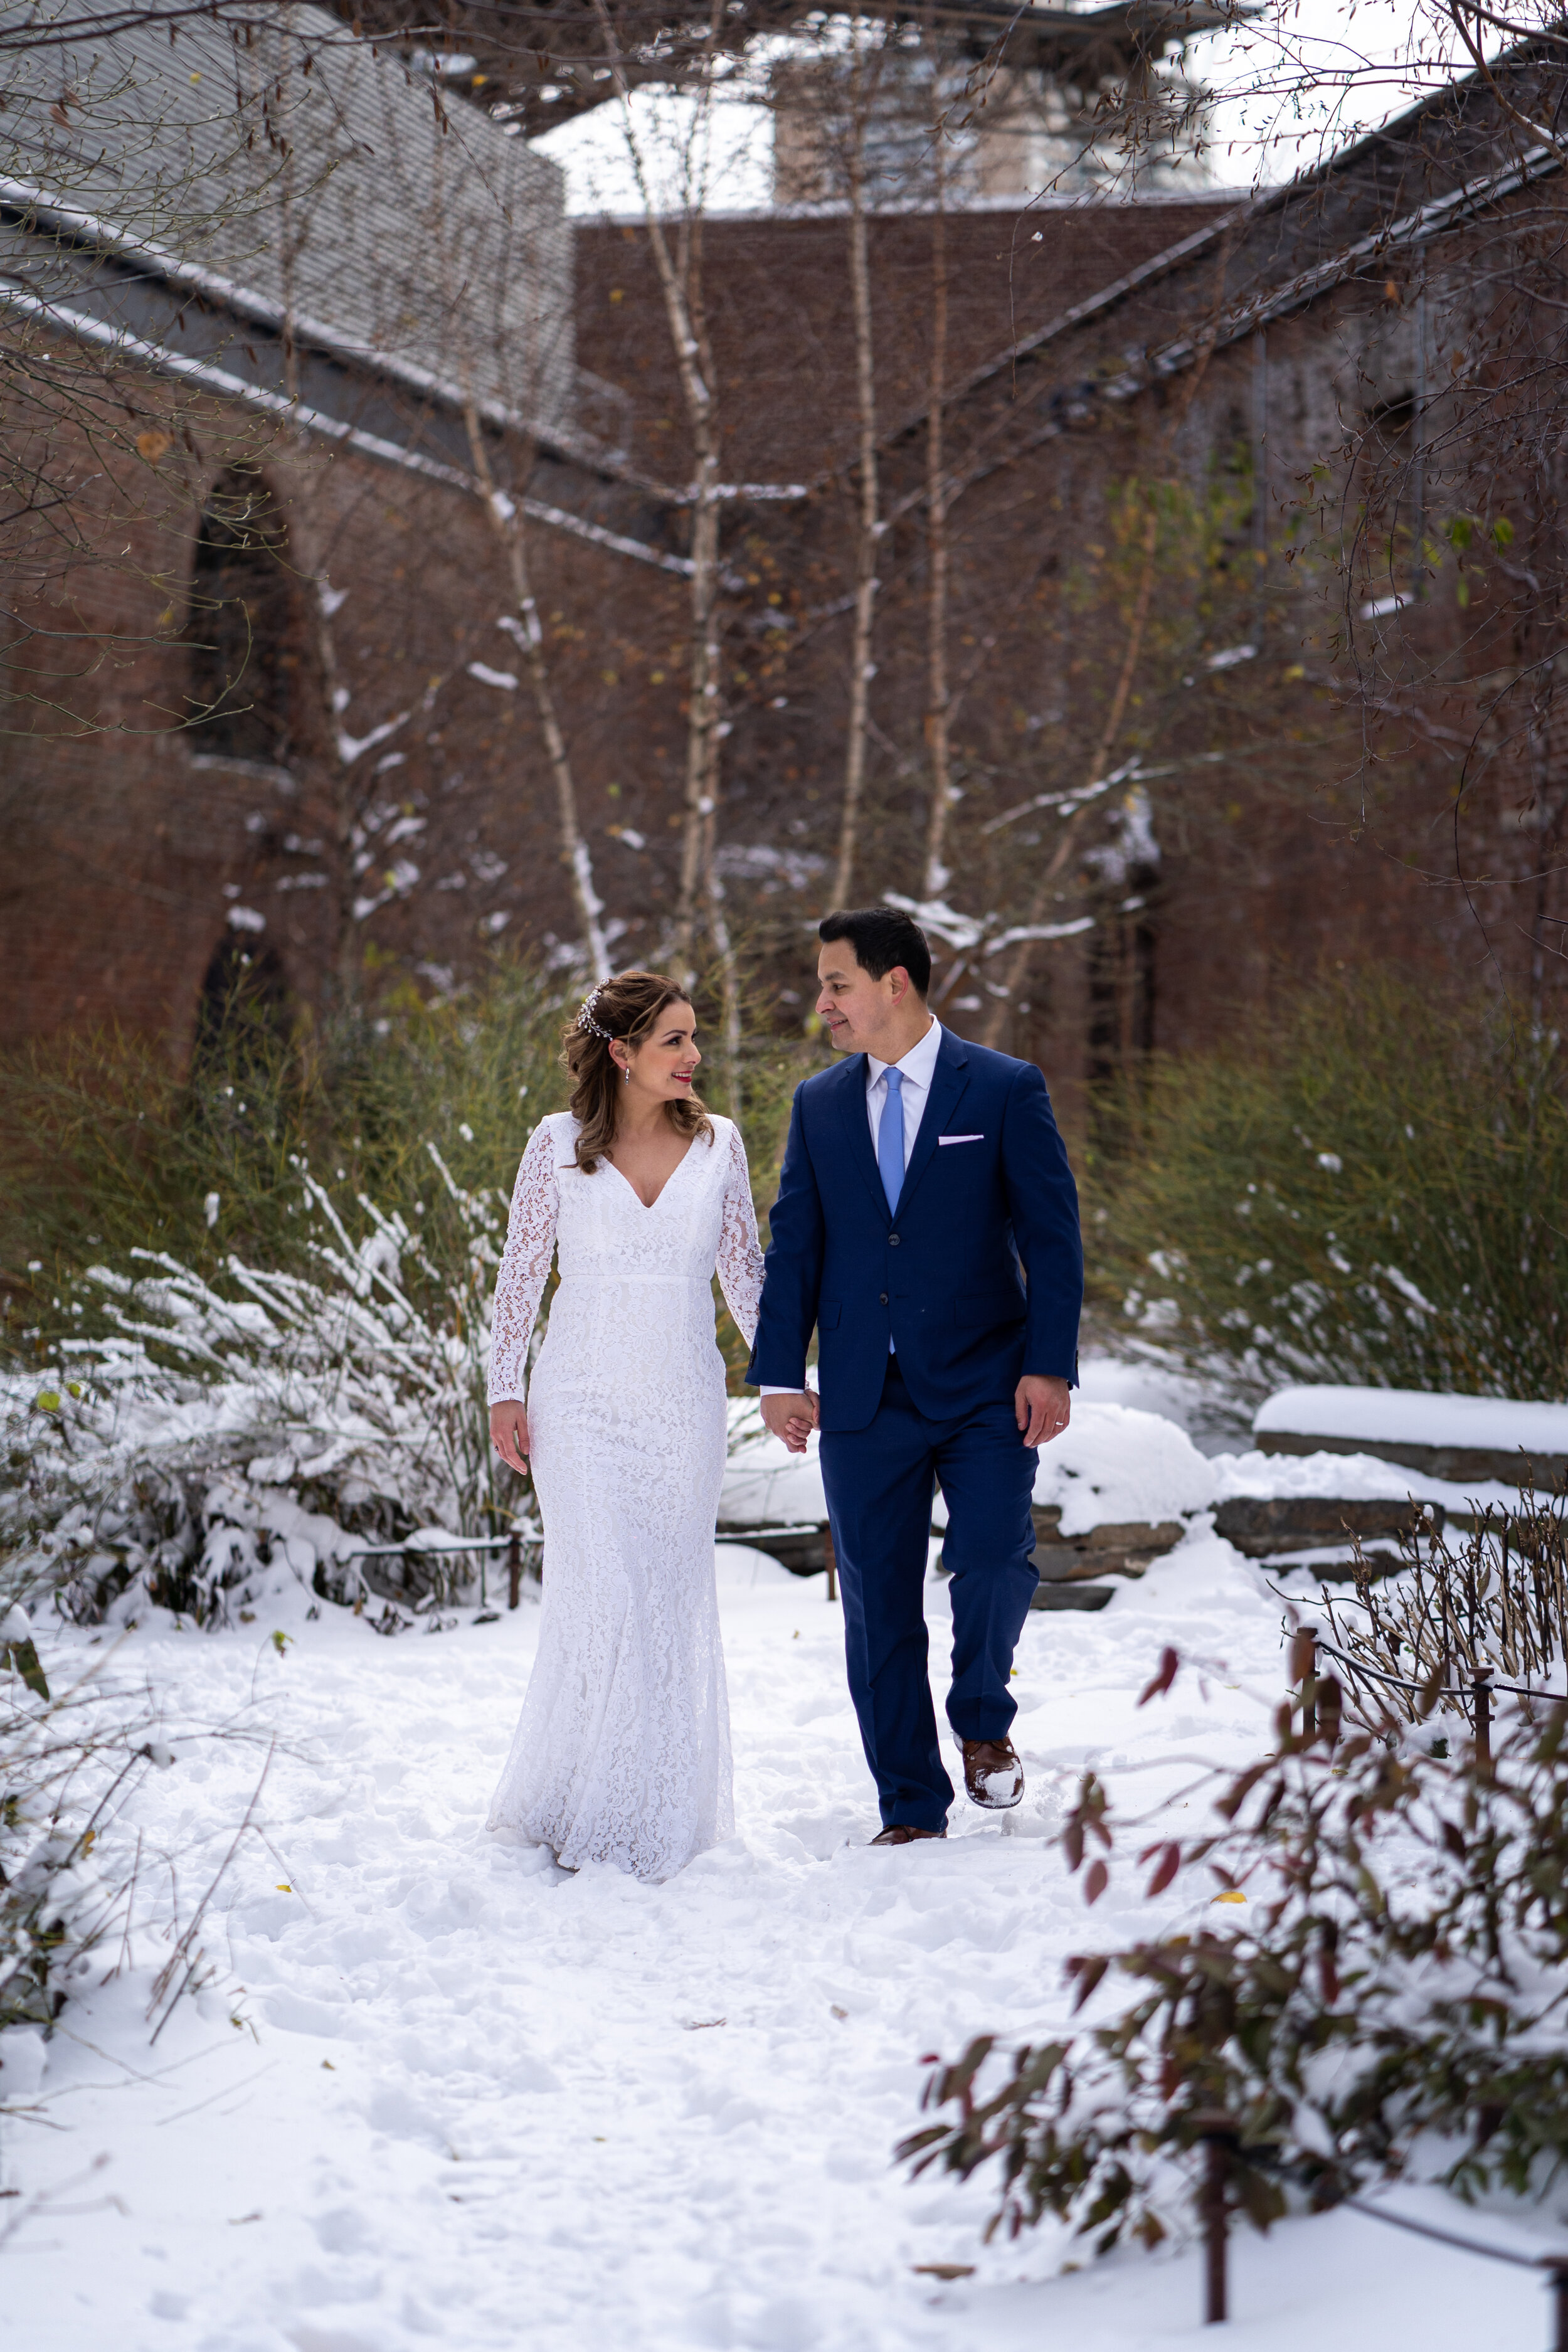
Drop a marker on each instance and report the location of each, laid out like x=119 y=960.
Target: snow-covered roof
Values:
x=283 y=167
x=1414 y=1417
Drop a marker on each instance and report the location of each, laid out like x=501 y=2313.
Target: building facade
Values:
x=1229 y=498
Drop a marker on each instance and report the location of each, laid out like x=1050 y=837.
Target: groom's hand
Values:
x=792 y=1415
x=1043 y=1408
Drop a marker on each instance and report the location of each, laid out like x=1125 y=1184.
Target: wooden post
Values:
x=513 y=1570
x=831 y=1556
x=1483 y=1711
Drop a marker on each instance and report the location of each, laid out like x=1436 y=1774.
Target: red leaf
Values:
x=1169 y=1863
x=1089 y=1970
x=1170 y=1665
x=1096 y=1883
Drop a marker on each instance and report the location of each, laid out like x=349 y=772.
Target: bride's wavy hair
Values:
x=624 y=1011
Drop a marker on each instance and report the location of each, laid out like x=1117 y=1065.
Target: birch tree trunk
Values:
x=869 y=533
x=680 y=284
x=528 y=635
x=311 y=550
x=938 y=713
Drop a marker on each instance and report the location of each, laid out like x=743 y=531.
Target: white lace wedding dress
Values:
x=622 y=1753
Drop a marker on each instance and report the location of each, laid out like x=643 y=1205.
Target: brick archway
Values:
x=251 y=666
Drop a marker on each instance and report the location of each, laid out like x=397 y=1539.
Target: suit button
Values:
x=882 y=1298
x=892 y=1241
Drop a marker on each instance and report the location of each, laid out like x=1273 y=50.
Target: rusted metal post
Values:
x=1483 y=1714
x=513 y=1570
x=831 y=1556
x=1558 y=2266
x=1220 y=2137
x=1304 y=1667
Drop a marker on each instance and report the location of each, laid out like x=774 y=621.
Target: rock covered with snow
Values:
x=1114 y=1463
x=1415 y=1417
x=1348 y=1478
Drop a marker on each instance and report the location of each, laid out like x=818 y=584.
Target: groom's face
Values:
x=859 y=1012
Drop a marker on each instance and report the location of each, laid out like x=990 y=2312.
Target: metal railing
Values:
x=1321 y=1697
x=416 y=1547
x=421 y=1548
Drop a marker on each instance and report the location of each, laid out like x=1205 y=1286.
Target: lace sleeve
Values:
x=740 y=1265
x=525 y=1264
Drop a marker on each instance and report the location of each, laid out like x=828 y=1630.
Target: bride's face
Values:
x=665 y=1065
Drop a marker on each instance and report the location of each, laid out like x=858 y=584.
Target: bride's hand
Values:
x=791 y=1416
x=508 y=1434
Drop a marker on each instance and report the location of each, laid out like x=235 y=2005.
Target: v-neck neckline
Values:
x=648 y=1207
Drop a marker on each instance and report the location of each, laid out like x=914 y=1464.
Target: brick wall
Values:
x=130 y=847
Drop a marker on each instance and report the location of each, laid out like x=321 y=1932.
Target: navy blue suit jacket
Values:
x=977 y=1279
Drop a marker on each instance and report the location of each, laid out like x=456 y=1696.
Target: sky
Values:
x=1302 y=78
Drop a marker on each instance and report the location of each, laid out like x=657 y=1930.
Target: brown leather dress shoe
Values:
x=992 y=1774
x=904 y=1833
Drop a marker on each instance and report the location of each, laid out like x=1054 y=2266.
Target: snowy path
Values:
x=485 y=2104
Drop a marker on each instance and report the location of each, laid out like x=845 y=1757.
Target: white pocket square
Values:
x=960 y=1139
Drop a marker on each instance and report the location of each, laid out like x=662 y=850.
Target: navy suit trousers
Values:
x=880 y=1482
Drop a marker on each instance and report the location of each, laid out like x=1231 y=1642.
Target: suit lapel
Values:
x=948 y=1081
x=857 y=1128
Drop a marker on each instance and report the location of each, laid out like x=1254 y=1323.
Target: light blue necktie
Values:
x=890 y=1138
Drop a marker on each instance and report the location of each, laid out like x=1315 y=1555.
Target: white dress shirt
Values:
x=918 y=1068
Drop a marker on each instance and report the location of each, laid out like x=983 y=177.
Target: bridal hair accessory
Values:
x=585 y=1020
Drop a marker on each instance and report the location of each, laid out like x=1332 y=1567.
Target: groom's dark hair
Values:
x=881 y=938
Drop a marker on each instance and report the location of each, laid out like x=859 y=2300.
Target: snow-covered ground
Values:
x=472 y=2101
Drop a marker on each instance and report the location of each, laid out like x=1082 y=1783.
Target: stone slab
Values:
x=1261 y=1525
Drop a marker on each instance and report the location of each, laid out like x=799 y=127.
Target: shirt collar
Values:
x=918 y=1064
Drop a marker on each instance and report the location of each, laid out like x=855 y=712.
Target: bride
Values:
x=622 y=1753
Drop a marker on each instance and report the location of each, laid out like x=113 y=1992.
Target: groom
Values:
x=927 y=1227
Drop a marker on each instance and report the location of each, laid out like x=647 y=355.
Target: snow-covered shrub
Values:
x=244 y=1310
x=233 y=1435
x=67 y=1763
x=1360 y=1188
x=1386 y=1997
x=82 y=1898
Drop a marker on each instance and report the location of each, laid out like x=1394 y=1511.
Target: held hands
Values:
x=791 y=1416
x=508 y=1434
x=1042 y=1407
